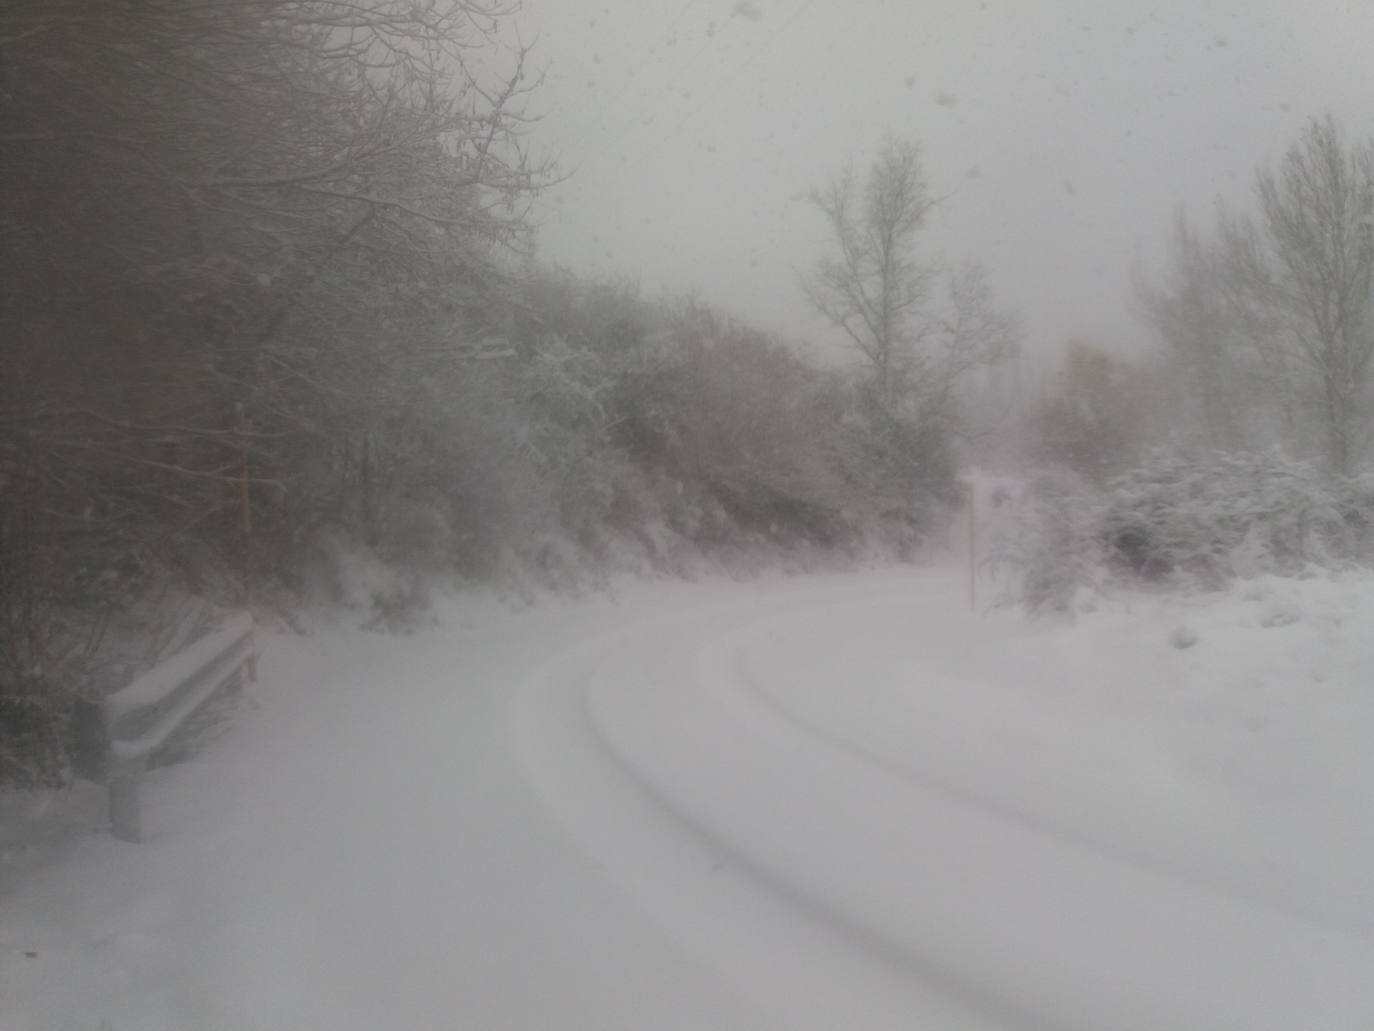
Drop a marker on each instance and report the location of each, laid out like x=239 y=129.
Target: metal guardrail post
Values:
x=126 y=817
x=160 y=703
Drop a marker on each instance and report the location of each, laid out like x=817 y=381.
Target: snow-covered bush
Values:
x=1049 y=548
x=1210 y=519
x=339 y=571
x=1181 y=520
x=899 y=468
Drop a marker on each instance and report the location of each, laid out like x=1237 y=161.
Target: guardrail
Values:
x=142 y=718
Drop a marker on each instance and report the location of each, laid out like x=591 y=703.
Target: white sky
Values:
x=1069 y=127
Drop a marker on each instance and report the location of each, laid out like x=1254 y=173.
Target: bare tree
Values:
x=1269 y=321
x=920 y=326
x=186 y=183
x=1188 y=308
x=1317 y=271
x=235 y=236
x=872 y=287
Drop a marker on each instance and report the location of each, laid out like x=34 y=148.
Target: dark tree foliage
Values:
x=220 y=221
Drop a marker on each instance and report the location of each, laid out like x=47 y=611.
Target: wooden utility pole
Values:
x=972 y=548
x=246 y=529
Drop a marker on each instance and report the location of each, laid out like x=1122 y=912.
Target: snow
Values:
x=817 y=802
x=154 y=686
x=204 y=682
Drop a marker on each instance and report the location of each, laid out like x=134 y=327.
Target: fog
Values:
x=1065 y=133
x=757 y=515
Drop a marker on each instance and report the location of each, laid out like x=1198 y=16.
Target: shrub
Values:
x=1050 y=546
x=1209 y=519
x=1189 y=520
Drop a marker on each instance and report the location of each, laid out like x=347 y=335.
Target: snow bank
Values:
x=1245 y=759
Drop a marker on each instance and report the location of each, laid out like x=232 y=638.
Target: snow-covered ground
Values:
x=820 y=802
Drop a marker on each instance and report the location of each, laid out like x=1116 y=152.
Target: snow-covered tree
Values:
x=920 y=325
x=1270 y=322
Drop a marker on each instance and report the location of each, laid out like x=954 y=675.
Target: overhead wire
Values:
x=759 y=52
x=768 y=44
x=621 y=127
x=646 y=112
x=649 y=55
x=606 y=107
x=654 y=103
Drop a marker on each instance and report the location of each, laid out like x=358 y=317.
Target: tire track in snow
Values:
x=1160 y=936
x=760 y=704
x=1254 y=964
x=799 y=967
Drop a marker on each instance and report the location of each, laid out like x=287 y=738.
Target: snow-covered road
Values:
x=830 y=802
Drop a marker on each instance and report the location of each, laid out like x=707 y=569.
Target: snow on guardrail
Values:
x=142 y=718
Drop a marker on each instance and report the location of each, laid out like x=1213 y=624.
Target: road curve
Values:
x=834 y=892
